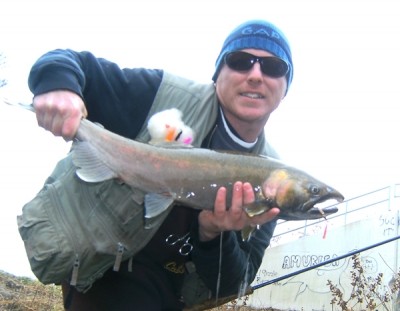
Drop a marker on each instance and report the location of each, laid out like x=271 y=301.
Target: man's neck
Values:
x=248 y=131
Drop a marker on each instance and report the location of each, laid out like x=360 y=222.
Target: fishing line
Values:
x=219 y=268
x=245 y=283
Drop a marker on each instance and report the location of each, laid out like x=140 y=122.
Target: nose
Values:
x=255 y=74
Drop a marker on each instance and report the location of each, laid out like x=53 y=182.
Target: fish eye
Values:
x=314 y=189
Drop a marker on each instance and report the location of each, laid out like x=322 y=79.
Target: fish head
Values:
x=297 y=195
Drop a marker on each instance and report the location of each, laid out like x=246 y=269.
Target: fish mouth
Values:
x=331 y=194
x=313 y=213
x=318 y=212
x=309 y=210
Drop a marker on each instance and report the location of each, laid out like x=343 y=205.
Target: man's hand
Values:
x=60 y=112
x=212 y=223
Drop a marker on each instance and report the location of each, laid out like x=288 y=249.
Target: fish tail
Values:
x=28 y=107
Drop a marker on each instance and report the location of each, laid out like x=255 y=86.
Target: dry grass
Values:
x=25 y=294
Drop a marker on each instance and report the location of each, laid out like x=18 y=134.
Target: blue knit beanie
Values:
x=257 y=34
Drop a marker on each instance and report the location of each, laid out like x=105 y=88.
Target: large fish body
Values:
x=192 y=176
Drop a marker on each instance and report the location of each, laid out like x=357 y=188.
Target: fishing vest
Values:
x=75 y=231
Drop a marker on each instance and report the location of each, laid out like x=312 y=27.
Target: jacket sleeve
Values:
x=119 y=99
x=240 y=260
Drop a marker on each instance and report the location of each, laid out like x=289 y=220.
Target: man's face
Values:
x=249 y=96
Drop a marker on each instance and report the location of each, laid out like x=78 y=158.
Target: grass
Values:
x=26 y=294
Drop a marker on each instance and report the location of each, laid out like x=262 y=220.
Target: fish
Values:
x=173 y=173
x=190 y=176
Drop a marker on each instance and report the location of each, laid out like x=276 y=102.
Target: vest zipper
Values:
x=70 y=233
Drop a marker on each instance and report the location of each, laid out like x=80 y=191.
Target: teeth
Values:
x=252 y=95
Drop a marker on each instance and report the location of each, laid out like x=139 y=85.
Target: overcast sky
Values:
x=340 y=120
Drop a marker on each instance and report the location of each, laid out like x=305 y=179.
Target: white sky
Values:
x=340 y=120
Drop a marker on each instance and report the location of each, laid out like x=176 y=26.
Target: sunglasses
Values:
x=270 y=65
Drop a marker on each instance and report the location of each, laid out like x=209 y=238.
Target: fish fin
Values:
x=150 y=223
x=253 y=209
x=155 y=204
x=247 y=232
x=258 y=207
x=90 y=168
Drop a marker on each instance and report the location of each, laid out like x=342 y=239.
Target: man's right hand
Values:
x=60 y=112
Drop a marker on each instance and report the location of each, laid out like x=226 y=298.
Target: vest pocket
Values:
x=73 y=230
x=48 y=251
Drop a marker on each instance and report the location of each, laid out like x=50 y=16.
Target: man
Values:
x=253 y=74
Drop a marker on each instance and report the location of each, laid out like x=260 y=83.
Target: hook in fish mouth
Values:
x=319 y=212
x=313 y=213
x=310 y=210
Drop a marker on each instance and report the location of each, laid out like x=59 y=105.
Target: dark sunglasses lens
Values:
x=270 y=66
x=274 y=67
x=239 y=61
